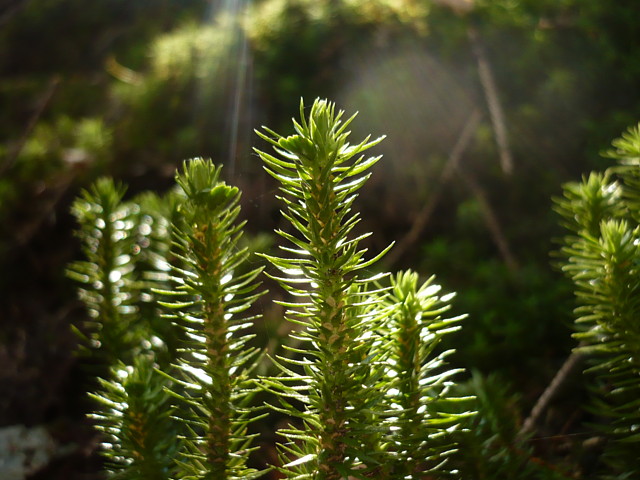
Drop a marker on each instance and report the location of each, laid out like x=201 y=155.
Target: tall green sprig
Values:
x=130 y=408
x=106 y=275
x=209 y=301
x=422 y=408
x=602 y=258
x=157 y=214
x=140 y=437
x=320 y=173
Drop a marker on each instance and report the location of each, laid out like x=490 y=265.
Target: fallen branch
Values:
x=493 y=102
x=55 y=190
x=492 y=222
x=570 y=364
x=421 y=220
x=45 y=99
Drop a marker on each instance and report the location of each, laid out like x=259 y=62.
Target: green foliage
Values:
x=493 y=448
x=209 y=301
x=106 y=226
x=349 y=330
x=373 y=386
x=191 y=51
x=155 y=216
x=602 y=255
x=424 y=411
x=125 y=244
x=319 y=174
x=66 y=142
x=117 y=276
x=127 y=249
x=567 y=72
x=140 y=440
x=365 y=379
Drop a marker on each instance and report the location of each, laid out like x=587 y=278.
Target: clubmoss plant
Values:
x=107 y=273
x=130 y=404
x=423 y=411
x=153 y=235
x=320 y=173
x=363 y=381
x=602 y=254
x=140 y=437
x=209 y=302
x=345 y=325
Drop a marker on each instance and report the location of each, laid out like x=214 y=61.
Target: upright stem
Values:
x=217 y=352
x=333 y=337
x=219 y=420
x=333 y=415
x=409 y=363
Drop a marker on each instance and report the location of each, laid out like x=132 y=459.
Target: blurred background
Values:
x=488 y=107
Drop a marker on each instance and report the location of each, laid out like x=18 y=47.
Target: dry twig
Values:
x=493 y=102
x=570 y=364
x=45 y=99
x=420 y=222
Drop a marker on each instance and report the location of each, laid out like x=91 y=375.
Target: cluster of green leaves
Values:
x=363 y=371
x=140 y=437
x=319 y=174
x=129 y=263
x=365 y=385
x=209 y=297
x=424 y=411
x=108 y=271
x=124 y=244
x=156 y=113
x=602 y=255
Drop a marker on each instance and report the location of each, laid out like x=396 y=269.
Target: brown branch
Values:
x=492 y=222
x=45 y=99
x=421 y=220
x=570 y=364
x=55 y=190
x=493 y=102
